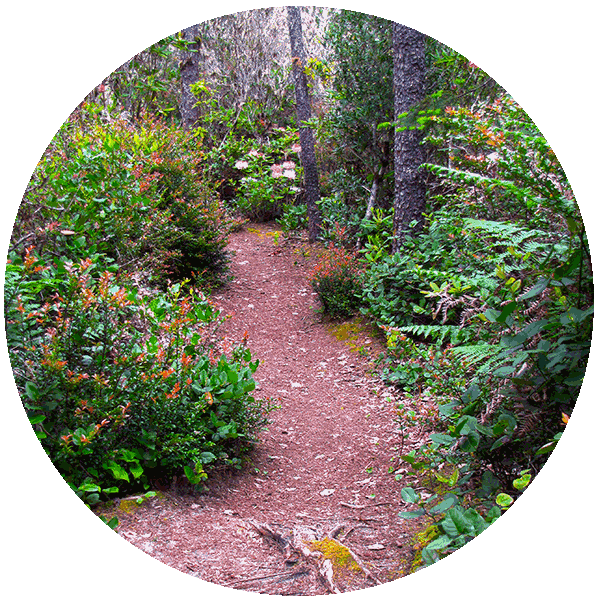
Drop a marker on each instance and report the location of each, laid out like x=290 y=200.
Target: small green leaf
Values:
x=508 y=310
x=504 y=500
x=411 y=514
x=444 y=505
x=117 y=470
x=88 y=487
x=409 y=495
x=207 y=457
x=31 y=390
x=112 y=523
x=442 y=439
x=439 y=543
x=536 y=290
x=136 y=470
x=522 y=482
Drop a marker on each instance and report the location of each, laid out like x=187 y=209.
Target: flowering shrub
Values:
x=269 y=176
x=336 y=281
x=123 y=389
x=191 y=243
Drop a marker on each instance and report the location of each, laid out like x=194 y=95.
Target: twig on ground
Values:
x=287 y=574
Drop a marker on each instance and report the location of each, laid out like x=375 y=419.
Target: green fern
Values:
x=477 y=352
x=493 y=356
x=435 y=332
x=499 y=360
x=504 y=231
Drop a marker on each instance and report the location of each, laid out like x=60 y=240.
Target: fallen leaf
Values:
x=376 y=547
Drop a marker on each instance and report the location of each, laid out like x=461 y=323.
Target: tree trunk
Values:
x=371 y=202
x=409 y=154
x=307 y=143
x=189 y=75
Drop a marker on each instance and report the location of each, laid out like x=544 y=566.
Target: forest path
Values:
x=324 y=463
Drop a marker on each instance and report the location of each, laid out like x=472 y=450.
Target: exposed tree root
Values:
x=335 y=563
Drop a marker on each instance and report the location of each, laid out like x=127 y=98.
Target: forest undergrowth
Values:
x=486 y=308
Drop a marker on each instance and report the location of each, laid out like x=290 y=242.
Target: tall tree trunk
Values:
x=307 y=142
x=189 y=75
x=409 y=154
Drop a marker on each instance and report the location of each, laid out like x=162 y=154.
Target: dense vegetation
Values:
x=116 y=355
x=486 y=309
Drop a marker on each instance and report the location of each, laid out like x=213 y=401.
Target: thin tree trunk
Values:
x=307 y=143
x=371 y=202
x=189 y=75
x=409 y=154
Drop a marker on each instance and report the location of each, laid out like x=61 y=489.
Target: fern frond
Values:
x=507 y=233
x=435 y=332
x=477 y=352
x=492 y=356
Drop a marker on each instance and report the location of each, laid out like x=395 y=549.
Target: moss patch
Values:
x=420 y=540
x=261 y=234
x=358 y=334
x=338 y=554
x=124 y=505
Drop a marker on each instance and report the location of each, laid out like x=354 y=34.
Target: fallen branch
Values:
x=360 y=506
x=266 y=531
x=272 y=575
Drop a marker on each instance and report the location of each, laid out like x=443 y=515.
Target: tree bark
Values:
x=409 y=154
x=189 y=75
x=307 y=143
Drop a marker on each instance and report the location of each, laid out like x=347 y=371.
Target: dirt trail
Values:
x=323 y=465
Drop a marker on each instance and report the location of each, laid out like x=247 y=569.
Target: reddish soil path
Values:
x=323 y=463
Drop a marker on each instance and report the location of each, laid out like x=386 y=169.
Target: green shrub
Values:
x=121 y=388
x=192 y=244
x=294 y=217
x=500 y=287
x=335 y=279
x=134 y=194
x=398 y=288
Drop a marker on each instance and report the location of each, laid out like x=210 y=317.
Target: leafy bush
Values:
x=293 y=217
x=336 y=215
x=336 y=281
x=402 y=288
x=121 y=388
x=488 y=315
x=193 y=242
x=134 y=194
